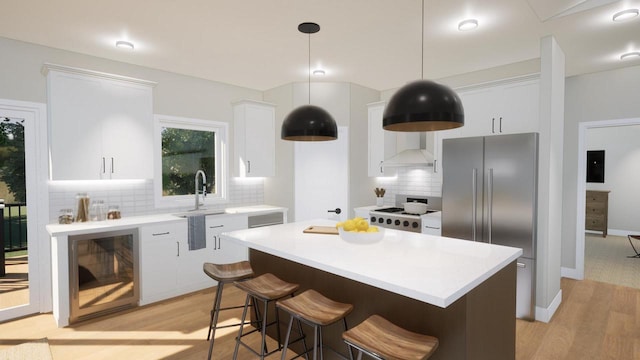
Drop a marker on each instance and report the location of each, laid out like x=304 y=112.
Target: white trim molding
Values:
x=79 y=71
x=581 y=188
x=545 y=314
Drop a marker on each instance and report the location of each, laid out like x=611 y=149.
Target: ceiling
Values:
x=374 y=43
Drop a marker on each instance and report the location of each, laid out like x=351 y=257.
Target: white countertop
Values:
x=432 y=269
x=134 y=221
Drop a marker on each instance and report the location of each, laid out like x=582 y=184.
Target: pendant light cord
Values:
x=422 y=42
x=309 y=70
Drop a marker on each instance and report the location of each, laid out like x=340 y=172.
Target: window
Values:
x=182 y=147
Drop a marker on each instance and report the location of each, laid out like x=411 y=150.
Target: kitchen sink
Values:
x=199 y=212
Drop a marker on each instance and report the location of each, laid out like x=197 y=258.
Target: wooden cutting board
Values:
x=329 y=230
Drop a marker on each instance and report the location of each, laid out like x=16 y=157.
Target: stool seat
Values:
x=317 y=311
x=382 y=338
x=228 y=272
x=315 y=308
x=267 y=287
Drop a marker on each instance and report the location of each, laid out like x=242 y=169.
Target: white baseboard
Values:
x=571 y=273
x=545 y=314
x=617 y=232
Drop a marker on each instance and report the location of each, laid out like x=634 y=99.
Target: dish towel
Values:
x=197 y=232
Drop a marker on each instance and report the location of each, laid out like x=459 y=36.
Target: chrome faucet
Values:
x=204 y=186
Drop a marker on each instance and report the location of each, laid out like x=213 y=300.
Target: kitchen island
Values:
x=462 y=292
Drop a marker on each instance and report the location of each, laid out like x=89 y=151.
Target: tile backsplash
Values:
x=413 y=180
x=135 y=197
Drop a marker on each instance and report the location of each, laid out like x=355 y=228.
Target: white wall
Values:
x=622 y=171
x=602 y=96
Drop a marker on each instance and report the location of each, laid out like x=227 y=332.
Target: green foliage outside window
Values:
x=12 y=166
x=184 y=152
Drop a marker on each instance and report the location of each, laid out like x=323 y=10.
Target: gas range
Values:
x=396 y=218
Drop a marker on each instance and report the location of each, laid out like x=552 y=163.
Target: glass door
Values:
x=19 y=248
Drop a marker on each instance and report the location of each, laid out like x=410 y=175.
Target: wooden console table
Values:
x=597 y=211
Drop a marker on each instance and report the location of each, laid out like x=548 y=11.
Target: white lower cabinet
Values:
x=168 y=268
x=224 y=251
x=160 y=248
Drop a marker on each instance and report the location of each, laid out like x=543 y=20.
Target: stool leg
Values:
x=304 y=340
x=216 y=310
x=315 y=342
x=264 y=330
x=321 y=342
x=244 y=316
x=286 y=339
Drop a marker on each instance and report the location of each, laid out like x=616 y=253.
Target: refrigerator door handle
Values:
x=490 y=204
x=521 y=265
x=474 y=203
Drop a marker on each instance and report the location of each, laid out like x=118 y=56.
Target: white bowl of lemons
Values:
x=358 y=231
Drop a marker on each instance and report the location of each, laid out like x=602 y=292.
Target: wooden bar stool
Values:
x=265 y=288
x=317 y=311
x=223 y=274
x=381 y=339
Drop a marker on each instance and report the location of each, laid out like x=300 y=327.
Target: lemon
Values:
x=372 y=229
x=349 y=225
x=362 y=225
x=339 y=225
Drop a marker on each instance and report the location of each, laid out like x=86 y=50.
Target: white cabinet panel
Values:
x=101 y=128
x=225 y=251
x=381 y=143
x=254 y=139
x=160 y=248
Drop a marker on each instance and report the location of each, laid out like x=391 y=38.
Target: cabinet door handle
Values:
x=219 y=242
x=112 y=169
x=248 y=166
x=500 y=128
x=435 y=166
x=178 y=245
x=215 y=226
x=493 y=125
x=381 y=170
x=215 y=242
x=160 y=234
x=104 y=165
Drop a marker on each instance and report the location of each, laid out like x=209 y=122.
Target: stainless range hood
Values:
x=412 y=152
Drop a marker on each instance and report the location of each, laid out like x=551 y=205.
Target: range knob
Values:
x=388 y=221
x=405 y=223
x=380 y=220
x=397 y=222
x=414 y=225
x=373 y=219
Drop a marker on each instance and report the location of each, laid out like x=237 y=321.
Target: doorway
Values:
x=581 y=185
x=23 y=174
x=322 y=178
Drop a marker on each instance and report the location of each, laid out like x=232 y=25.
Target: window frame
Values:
x=221 y=164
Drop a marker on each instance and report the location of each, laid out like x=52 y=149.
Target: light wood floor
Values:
x=14 y=287
x=594 y=321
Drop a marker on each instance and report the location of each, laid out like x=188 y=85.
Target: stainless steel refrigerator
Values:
x=489 y=194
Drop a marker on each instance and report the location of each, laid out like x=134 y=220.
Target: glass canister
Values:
x=98 y=211
x=65 y=216
x=82 y=211
x=113 y=213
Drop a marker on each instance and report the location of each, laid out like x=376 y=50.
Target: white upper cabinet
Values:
x=508 y=108
x=381 y=143
x=254 y=139
x=501 y=108
x=101 y=125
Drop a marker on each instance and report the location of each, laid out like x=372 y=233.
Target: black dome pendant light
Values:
x=423 y=105
x=309 y=122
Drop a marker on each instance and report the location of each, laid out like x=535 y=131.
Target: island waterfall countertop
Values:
x=432 y=269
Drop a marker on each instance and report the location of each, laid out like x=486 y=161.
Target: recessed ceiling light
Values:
x=633 y=54
x=468 y=24
x=318 y=72
x=124 y=44
x=625 y=14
